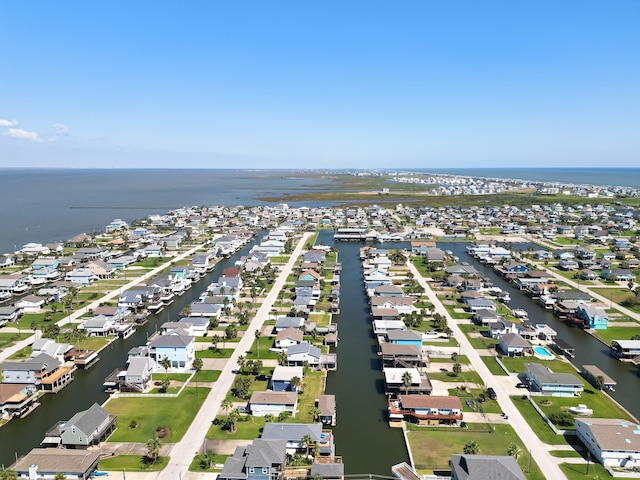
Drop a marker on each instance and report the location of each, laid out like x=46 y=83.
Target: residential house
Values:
x=10 y=314
x=546 y=382
x=281 y=378
x=471 y=467
x=82 y=276
x=274 y=403
x=593 y=317
x=401 y=355
x=612 y=442
x=404 y=337
x=31 y=303
x=282 y=323
x=97 y=326
x=617 y=274
x=303 y=353
x=426 y=409
x=262 y=459
x=625 y=349
x=46 y=463
x=178 y=348
x=512 y=345
x=394 y=382
x=327 y=406
x=293 y=433
x=289 y=336
x=42 y=372
x=85 y=428
x=51 y=348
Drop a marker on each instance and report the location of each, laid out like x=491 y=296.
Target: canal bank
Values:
x=588 y=349
x=19 y=436
x=363 y=437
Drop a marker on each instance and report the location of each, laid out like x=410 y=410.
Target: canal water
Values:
x=362 y=434
x=588 y=350
x=19 y=436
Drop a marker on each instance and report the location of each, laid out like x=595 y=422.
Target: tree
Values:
x=599 y=382
x=258 y=334
x=407 y=380
x=226 y=405
x=8 y=474
x=454 y=357
x=186 y=311
x=306 y=442
x=514 y=450
x=166 y=364
x=457 y=368
x=231 y=331
x=241 y=387
x=315 y=413
x=242 y=361
x=206 y=460
x=282 y=358
x=295 y=383
x=60 y=476
x=153 y=448
x=215 y=340
x=165 y=384
x=471 y=448
x=232 y=419
x=197 y=366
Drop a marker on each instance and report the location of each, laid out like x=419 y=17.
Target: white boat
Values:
x=504 y=297
x=581 y=409
x=520 y=313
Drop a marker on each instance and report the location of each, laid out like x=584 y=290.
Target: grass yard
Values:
x=535 y=421
x=578 y=471
x=174 y=413
x=488 y=406
x=211 y=353
x=431 y=447
x=266 y=342
x=471 y=331
x=616 y=333
x=467 y=377
x=493 y=366
x=197 y=467
x=206 y=376
x=132 y=463
x=516 y=365
x=9 y=339
x=247 y=428
x=179 y=377
x=601 y=404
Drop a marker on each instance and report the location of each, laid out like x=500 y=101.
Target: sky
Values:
x=320 y=84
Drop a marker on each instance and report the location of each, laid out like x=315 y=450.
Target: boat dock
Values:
x=591 y=373
x=564 y=347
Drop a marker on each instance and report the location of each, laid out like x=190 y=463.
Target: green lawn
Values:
x=601 y=404
x=247 y=429
x=616 y=333
x=516 y=365
x=131 y=463
x=9 y=339
x=174 y=413
x=482 y=342
x=179 y=377
x=431 y=447
x=578 y=471
x=535 y=421
x=210 y=353
x=266 y=342
x=493 y=365
x=195 y=464
x=488 y=406
x=467 y=377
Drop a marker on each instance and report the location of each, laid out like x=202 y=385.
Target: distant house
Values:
x=405 y=337
x=303 y=353
x=179 y=349
x=293 y=433
x=42 y=372
x=274 y=403
x=512 y=345
x=282 y=323
x=327 y=407
x=594 y=317
x=98 y=326
x=625 y=349
x=289 y=336
x=31 y=303
x=83 y=276
x=471 y=467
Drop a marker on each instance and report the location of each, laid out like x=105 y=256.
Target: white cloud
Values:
x=60 y=129
x=8 y=123
x=21 y=134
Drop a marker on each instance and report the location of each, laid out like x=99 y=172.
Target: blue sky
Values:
x=422 y=84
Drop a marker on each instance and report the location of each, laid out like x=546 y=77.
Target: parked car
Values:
x=492 y=393
x=522 y=385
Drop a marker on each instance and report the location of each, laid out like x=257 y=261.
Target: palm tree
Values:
x=197 y=366
x=242 y=361
x=315 y=413
x=8 y=474
x=471 y=448
x=514 y=450
x=258 y=334
x=226 y=405
x=282 y=358
x=307 y=441
x=166 y=364
x=295 y=383
x=215 y=340
x=232 y=419
x=407 y=380
x=153 y=448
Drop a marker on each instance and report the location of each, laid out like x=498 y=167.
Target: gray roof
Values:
x=36 y=364
x=54 y=460
x=482 y=467
x=292 y=431
x=273 y=398
x=261 y=453
x=545 y=376
x=327 y=470
x=88 y=420
x=304 y=347
x=171 y=341
x=404 y=335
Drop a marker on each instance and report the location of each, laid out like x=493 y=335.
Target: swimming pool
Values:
x=543 y=353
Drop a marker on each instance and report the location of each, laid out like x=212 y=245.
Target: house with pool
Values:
x=545 y=382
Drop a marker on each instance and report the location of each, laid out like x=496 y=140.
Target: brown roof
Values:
x=278 y=398
x=12 y=392
x=614 y=434
x=430 y=401
x=399 y=349
x=327 y=404
x=292 y=333
x=58 y=460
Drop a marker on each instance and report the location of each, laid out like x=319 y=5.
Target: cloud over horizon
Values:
x=21 y=134
x=8 y=123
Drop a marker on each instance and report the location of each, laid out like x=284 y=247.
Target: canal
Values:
x=19 y=436
x=588 y=350
x=362 y=434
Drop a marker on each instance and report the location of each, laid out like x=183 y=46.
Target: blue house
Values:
x=404 y=337
x=281 y=378
x=595 y=317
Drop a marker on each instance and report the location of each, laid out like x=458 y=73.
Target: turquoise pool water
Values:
x=543 y=352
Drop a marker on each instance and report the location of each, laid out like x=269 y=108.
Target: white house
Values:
x=611 y=441
x=264 y=403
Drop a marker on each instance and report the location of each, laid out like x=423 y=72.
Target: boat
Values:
x=520 y=313
x=581 y=409
x=504 y=297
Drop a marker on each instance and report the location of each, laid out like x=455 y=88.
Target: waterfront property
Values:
x=261 y=460
x=591 y=373
x=546 y=382
x=46 y=463
x=394 y=381
x=613 y=442
x=627 y=350
x=273 y=403
x=464 y=467
x=42 y=372
x=426 y=409
x=294 y=433
x=84 y=429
